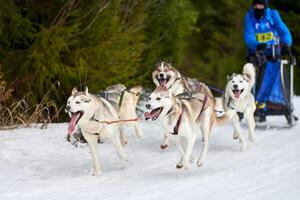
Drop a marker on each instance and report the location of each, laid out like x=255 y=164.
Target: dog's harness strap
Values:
x=118 y=121
x=94 y=119
x=121 y=98
x=176 y=128
x=241 y=115
x=169 y=111
x=203 y=107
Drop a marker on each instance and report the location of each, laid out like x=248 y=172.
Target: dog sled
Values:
x=286 y=85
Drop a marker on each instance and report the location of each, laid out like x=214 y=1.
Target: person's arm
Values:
x=249 y=33
x=283 y=31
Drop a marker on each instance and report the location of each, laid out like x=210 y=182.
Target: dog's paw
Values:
x=235 y=136
x=124 y=143
x=95 y=172
x=179 y=166
x=163 y=146
x=199 y=163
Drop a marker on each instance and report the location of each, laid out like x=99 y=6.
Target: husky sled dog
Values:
x=181 y=118
x=164 y=75
x=167 y=76
x=238 y=96
x=91 y=113
x=124 y=101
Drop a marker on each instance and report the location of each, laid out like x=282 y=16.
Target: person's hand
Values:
x=261 y=47
x=285 y=49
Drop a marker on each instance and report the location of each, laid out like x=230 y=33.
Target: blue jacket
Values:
x=270 y=30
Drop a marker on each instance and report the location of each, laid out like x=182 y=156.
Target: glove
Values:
x=261 y=47
x=285 y=49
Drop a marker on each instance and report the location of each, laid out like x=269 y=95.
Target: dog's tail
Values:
x=225 y=118
x=249 y=71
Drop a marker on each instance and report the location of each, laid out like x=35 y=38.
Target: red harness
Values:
x=176 y=128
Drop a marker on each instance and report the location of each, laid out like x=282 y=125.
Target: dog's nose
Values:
x=235 y=86
x=161 y=75
x=68 y=107
x=148 y=106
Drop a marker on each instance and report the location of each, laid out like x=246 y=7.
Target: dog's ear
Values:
x=229 y=77
x=74 y=91
x=86 y=91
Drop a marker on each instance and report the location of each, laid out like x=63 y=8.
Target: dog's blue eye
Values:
x=158 y=98
x=77 y=102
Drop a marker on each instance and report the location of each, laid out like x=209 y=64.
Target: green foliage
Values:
x=101 y=42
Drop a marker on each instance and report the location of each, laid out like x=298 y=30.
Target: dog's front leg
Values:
x=123 y=137
x=117 y=144
x=138 y=132
x=92 y=141
x=205 y=129
x=237 y=129
x=251 y=126
x=188 y=148
x=165 y=143
x=180 y=146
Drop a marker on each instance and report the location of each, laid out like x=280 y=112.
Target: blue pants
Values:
x=270 y=89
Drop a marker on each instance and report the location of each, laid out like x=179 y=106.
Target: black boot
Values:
x=260 y=115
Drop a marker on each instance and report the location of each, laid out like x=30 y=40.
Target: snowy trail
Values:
x=39 y=164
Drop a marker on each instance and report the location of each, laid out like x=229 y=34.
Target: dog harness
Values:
x=105 y=95
x=204 y=101
x=114 y=121
x=240 y=114
x=178 y=123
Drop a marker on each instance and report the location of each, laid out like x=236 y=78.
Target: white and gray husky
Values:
x=238 y=96
x=93 y=114
x=182 y=117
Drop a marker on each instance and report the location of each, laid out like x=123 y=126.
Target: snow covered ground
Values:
x=40 y=165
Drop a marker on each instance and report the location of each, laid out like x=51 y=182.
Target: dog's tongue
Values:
x=72 y=123
x=237 y=93
x=163 y=82
x=147 y=115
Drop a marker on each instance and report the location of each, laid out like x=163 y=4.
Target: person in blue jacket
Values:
x=266 y=33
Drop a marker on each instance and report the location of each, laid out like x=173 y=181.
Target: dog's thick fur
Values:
x=127 y=110
x=126 y=107
x=238 y=96
x=195 y=113
x=88 y=111
x=164 y=75
x=167 y=76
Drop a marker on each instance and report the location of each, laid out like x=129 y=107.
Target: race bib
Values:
x=264 y=37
